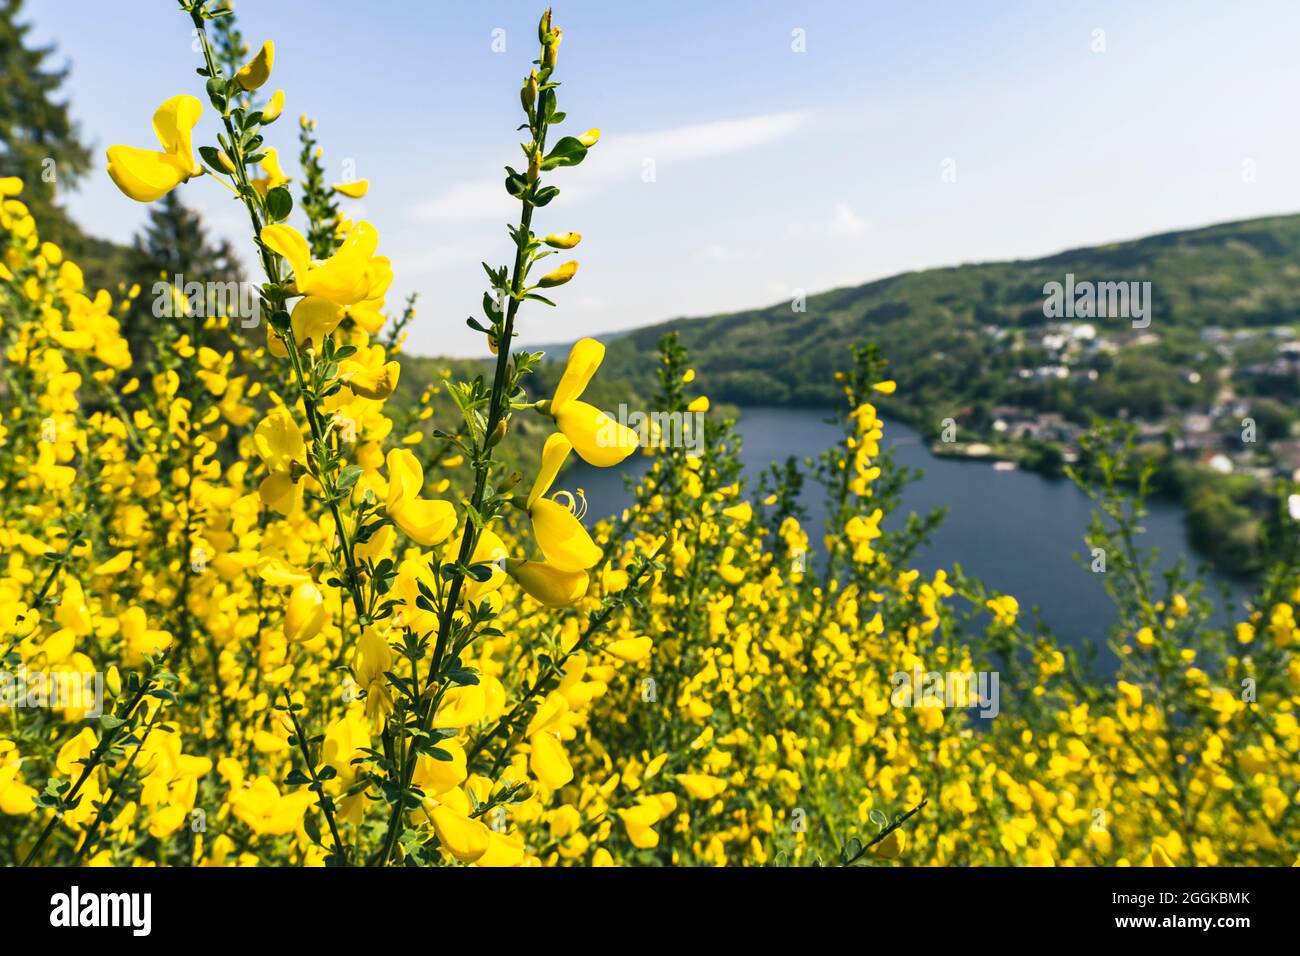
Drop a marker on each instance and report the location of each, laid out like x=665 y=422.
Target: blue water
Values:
x=1016 y=531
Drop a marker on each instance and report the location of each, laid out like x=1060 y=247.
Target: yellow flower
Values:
x=257 y=70
x=350 y=276
x=631 y=649
x=280 y=445
x=1004 y=608
x=425 y=521
x=305 y=614
x=638 y=821
x=274 y=174
x=548 y=584
x=892 y=846
x=464 y=838
x=1130 y=693
x=598 y=439
x=146 y=175
x=313 y=319
x=548 y=761
x=353 y=190
x=559 y=533
x=740 y=513
x=368 y=376
x=559 y=275
x=701 y=786
x=274 y=107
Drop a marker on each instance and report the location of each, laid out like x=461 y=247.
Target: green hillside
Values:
x=958 y=337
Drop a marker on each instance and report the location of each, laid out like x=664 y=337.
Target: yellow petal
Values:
x=434 y=776
x=353 y=190
x=584 y=358
x=144 y=175
x=701 y=786
x=463 y=838
x=314 y=318
x=548 y=761
x=257 y=70
x=173 y=123
x=549 y=585
x=461 y=706
x=554 y=452
x=405 y=477
x=305 y=614
x=274 y=344
x=562 y=537
x=375 y=384
x=280 y=573
x=114 y=565
x=631 y=649
x=271 y=112
x=289 y=242
x=503 y=850
x=426 y=522
x=281 y=492
x=598 y=439
x=559 y=275
x=278 y=440
x=891 y=847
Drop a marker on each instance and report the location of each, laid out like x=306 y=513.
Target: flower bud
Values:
x=228 y=164
x=535 y=166
x=590 y=138
x=257 y=70
x=274 y=108
x=498 y=433
x=552 y=49
x=563 y=240
x=559 y=276
x=528 y=95
x=305 y=615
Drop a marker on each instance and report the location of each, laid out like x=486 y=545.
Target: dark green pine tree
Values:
x=173 y=242
x=39 y=142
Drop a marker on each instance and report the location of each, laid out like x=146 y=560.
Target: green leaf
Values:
x=212 y=156
x=567 y=152
x=279 y=203
x=348 y=477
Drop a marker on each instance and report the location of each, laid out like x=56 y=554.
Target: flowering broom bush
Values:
x=327 y=630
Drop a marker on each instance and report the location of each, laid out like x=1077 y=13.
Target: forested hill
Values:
x=973 y=333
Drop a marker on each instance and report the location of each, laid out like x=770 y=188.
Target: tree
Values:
x=39 y=142
x=173 y=242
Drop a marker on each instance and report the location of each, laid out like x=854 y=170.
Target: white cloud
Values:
x=622 y=159
x=426 y=260
x=844 y=223
x=716 y=252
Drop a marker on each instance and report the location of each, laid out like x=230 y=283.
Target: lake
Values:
x=1017 y=531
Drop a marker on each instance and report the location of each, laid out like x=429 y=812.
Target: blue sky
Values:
x=775 y=170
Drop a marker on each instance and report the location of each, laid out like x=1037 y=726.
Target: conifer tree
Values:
x=39 y=141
